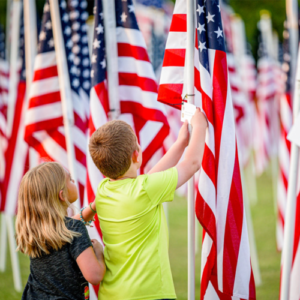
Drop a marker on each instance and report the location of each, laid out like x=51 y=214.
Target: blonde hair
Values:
x=40 y=225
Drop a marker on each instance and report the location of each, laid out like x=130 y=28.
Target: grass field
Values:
x=264 y=226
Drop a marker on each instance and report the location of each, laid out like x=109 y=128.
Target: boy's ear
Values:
x=61 y=195
x=135 y=156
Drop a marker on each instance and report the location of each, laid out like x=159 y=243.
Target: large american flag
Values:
x=44 y=119
x=137 y=91
x=4 y=77
x=16 y=157
x=225 y=269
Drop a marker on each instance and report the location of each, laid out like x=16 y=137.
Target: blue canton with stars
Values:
x=46 y=41
x=78 y=16
x=2 y=43
x=154 y=3
x=125 y=17
x=98 y=72
x=209 y=29
x=22 y=48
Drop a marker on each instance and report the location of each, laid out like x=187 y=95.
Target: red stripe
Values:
x=144 y=83
x=46 y=73
x=44 y=99
x=170 y=94
x=136 y=52
x=101 y=92
x=174 y=58
x=178 y=23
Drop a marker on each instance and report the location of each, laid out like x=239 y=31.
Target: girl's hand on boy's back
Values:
x=183 y=135
x=98 y=248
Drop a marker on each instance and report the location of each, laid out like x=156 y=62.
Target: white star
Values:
x=86 y=62
x=76 y=82
x=83 y=4
x=131 y=8
x=84 y=39
x=101 y=15
x=51 y=43
x=86 y=74
x=103 y=63
x=94 y=58
x=68 y=30
x=84 y=16
x=92 y=73
x=210 y=18
x=201 y=28
x=48 y=25
x=63 y=4
x=219 y=8
x=200 y=9
x=46 y=7
x=202 y=46
x=76 y=49
x=69 y=44
x=99 y=29
x=219 y=32
x=86 y=85
x=74 y=14
x=84 y=27
x=76 y=26
x=73 y=70
x=65 y=17
x=123 y=17
x=75 y=38
x=74 y=3
x=85 y=50
x=76 y=61
x=42 y=35
x=96 y=44
x=71 y=56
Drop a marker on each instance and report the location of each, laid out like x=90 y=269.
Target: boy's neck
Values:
x=131 y=173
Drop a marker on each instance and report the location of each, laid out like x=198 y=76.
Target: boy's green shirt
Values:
x=136 y=238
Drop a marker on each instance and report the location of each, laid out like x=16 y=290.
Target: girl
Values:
x=63 y=259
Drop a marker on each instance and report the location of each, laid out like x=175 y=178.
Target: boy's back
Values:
x=136 y=238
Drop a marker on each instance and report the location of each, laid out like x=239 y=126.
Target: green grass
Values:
x=264 y=226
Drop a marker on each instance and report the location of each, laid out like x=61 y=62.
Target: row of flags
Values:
x=235 y=112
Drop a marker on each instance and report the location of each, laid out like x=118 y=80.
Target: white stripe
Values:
x=226 y=165
x=284 y=157
x=4 y=82
x=211 y=293
x=176 y=40
x=44 y=86
x=295 y=275
x=286 y=113
x=243 y=268
x=43 y=113
x=98 y=114
x=172 y=75
x=130 y=36
x=132 y=65
x=148 y=133
x=180 y=7
x=45 y=60
x=206 y=248
x=147 y=99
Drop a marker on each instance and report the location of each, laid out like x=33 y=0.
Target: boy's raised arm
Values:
x=194 y=153
x=172 y=157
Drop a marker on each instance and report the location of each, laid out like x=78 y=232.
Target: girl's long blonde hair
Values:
x=40 y=225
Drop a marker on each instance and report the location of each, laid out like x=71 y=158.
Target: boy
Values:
x=130 y=208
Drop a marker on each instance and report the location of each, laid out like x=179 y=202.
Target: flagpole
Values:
x=111 y=57
x=30 y=35
x=289 y=227
x=65 y=87
x=190 y=98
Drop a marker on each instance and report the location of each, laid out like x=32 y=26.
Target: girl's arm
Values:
x=172 y=157
x=91 y=263
x=88 y=213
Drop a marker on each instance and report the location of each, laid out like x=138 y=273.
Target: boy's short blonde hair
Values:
x=111 y=147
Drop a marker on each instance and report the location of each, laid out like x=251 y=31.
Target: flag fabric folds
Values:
x=44 y=119
x=226 y=267
x=16 y=156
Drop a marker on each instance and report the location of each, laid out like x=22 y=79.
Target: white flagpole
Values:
x=111 y=57
x=14 y=63
x=65 y=87
x=189 y=63
x=289 y=227
x=30 y=35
